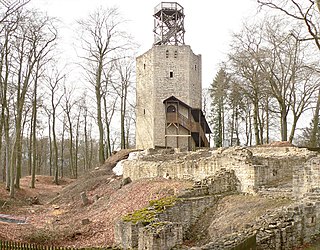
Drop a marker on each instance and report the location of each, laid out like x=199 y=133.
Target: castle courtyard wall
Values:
x=253 y=169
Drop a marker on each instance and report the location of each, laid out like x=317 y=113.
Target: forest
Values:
x=268 y=89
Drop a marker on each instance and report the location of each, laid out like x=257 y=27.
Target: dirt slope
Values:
x=61 y=218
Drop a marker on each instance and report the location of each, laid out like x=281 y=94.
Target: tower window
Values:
x=144 y=111
x=175 y=54
x=167 y=53
x=171 y=109
x=195 y=67
x=171 y=74
x=144 y=66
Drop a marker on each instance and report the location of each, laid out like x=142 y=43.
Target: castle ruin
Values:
x=169 y=118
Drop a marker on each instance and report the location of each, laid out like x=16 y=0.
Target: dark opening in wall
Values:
x=171 y=109
x=175 y=54
x=171 y=74
x=274 y=172
x=167 y=53
x=195 y=67
x=144 y=66
x=144 y=111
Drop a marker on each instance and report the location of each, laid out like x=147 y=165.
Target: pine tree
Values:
x=218 y=91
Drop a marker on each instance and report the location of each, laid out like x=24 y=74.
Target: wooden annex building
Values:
x=185 y=125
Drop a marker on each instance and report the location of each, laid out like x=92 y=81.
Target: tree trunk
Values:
x=34 y=137
x=77 y=146
x=50 y=147
x=55 y=149
x=108 y=141
x=12 y=169
x=284 y=124
x=86 y=143
x=62 y=147
x=99 y=111
x=8 y=156
x=267 y=122
x=255 y=122
x=122 y=125
x=293 y=128
x=30 y=147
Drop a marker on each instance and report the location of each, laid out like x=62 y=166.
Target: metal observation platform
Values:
x=168 y=24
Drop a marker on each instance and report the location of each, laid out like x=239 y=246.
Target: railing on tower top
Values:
x=168 y=6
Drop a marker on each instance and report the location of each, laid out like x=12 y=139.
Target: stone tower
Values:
x=169 y=87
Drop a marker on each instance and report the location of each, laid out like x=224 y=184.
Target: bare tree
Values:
x=53 y=84
x=33 y=40
x=10 y=7
x=280 y=64
x=101 y=38
x=6 y=67
x=245 y=69
x=68 y=106
x=306 y=13
x=125 y=70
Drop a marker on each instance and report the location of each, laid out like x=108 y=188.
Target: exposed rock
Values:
x=96 y=198
x=33 y=200
x=125 y=181
x=85 y=221
x=84 y=198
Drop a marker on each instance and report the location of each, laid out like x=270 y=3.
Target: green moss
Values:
x=143 y=215
x=147 y=215
x=161 y=204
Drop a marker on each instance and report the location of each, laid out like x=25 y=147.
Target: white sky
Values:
x=208 y=23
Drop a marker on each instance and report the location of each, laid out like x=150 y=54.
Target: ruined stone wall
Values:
x=177 y=218
x=223 y=182
x=306 y=179
x=225 y=171
x=275 y=165
x=252 y=168
x=126 y=234
x=187 y=211
x=235 y=241
x=171 y=225
x=160 y=236
x=274 y=170
x=195 y=166
x=289 y=228
x=283 y=229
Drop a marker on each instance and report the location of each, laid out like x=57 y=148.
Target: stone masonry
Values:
x=253 y=167
x=171 y=225
x=306 y=179
x=164 y=71
x=219 y=173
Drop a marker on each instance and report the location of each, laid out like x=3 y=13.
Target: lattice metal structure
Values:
x=168 y=24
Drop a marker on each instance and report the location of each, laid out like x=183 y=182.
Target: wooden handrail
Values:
x=194 y=127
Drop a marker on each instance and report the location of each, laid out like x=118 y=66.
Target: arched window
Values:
x=171 y=109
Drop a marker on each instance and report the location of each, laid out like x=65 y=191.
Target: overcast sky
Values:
x=208 y=23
